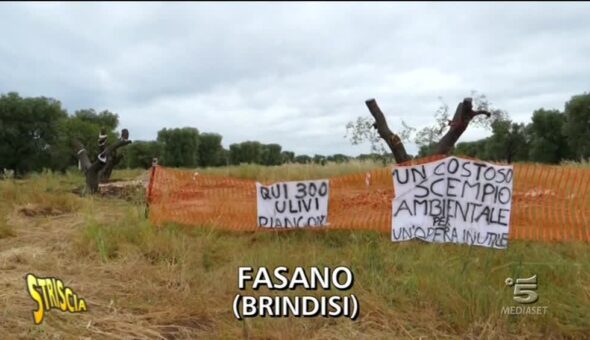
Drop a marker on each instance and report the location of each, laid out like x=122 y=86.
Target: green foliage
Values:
x=253 y=152
x=475 y=149
x=181 y=146
x=271 y=154
x=426 y=149
x=86 y=126
x=319 y=159
x=224 y=157
x=250 y=152
x=577 y=126
x=338 y=158
x=361 y=131
x=245 y=152
x=287 y=157
x=104 y=119
x=140 y=154
x=508 y=142
x=36 y=133
x=548 y=143
x=210 y=150
x=28 y=131
x=303 y=159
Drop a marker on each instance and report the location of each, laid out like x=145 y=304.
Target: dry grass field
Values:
x=142 y=281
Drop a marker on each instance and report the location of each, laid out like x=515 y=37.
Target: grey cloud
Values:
x=293 y=73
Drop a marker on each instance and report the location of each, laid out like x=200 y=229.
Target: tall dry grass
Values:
x=178 y=282
x=583 y=164
x=292 y=171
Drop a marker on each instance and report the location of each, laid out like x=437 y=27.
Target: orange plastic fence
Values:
x=549 y=202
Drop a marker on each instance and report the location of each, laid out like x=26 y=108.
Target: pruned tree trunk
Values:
x=393 y=141
x=112 y=160
x=105 y=173
x=93 y=170
x=463 y=115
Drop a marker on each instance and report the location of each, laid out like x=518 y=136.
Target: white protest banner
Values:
x=453 y=200
x=293 y=204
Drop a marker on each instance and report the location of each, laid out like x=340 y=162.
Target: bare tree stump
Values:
x=93 y=170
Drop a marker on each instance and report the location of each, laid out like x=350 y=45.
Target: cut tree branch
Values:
x=82 y=155
x=393 y=141
x=112 y=158
x=112 y=161
x=463 y=115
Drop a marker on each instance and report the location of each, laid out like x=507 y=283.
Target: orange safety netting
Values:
x=549 y=202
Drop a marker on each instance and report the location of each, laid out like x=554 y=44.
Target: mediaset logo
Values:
x=524 y=293
x=51 y=292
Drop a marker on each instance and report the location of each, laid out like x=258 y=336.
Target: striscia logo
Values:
x=50 y=292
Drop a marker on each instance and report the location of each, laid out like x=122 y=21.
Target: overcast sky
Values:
x=293 y=73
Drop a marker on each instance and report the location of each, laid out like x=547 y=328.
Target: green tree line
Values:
x=552 y=136
x=36 y=133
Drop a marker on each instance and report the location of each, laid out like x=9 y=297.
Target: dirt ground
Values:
x=44 y=243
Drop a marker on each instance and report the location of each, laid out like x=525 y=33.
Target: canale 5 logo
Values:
x=524 y=289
